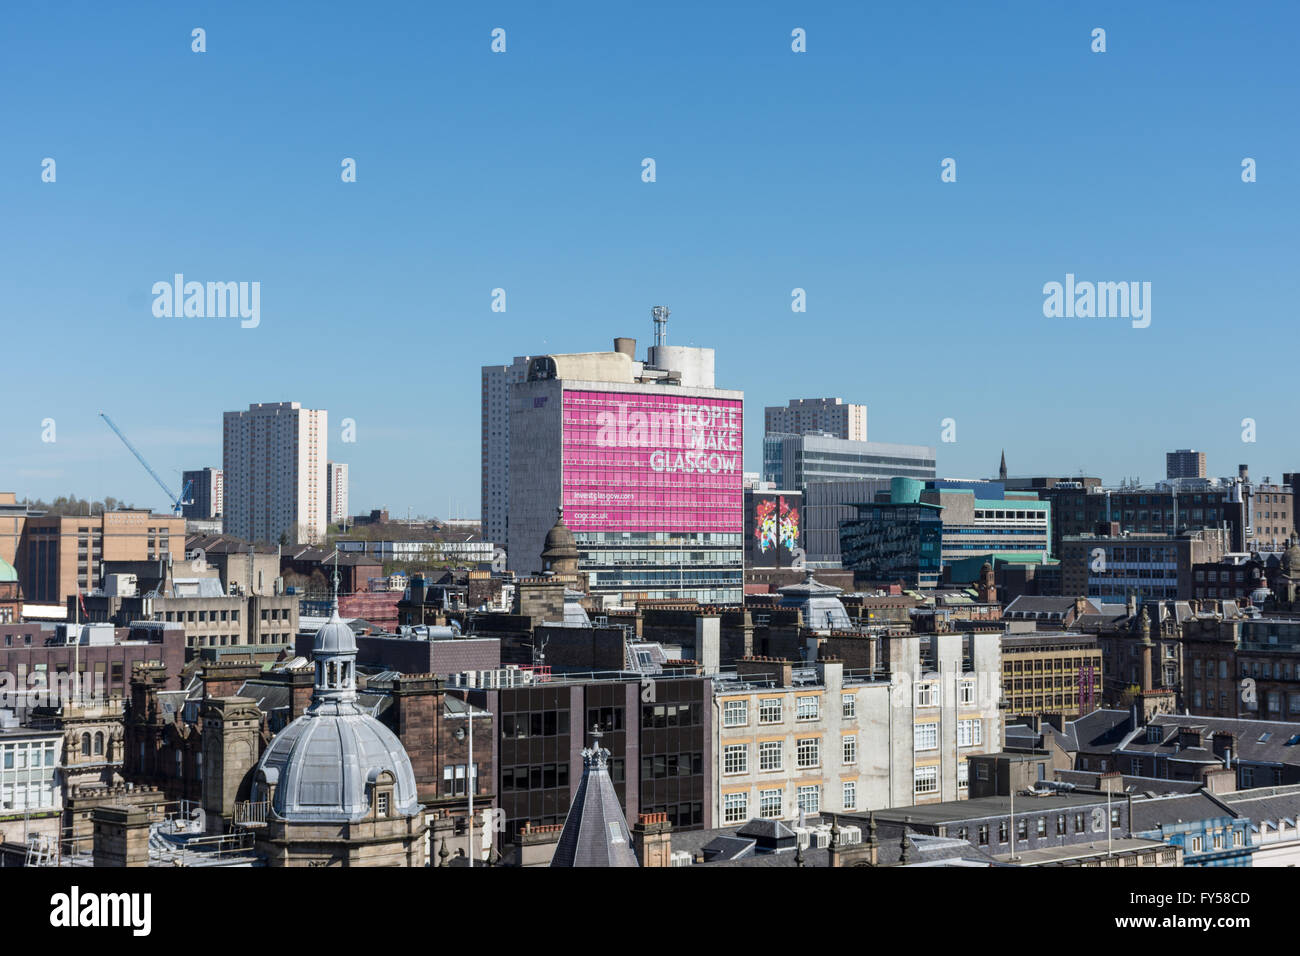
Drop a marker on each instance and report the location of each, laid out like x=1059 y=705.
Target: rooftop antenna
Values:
x=660 y=314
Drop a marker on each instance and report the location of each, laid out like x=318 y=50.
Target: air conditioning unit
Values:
x=680 y=858
x=850 y=836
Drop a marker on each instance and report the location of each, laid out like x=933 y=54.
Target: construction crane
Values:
x=177 y=503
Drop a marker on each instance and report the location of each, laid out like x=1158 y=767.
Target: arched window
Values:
x=85 y=745
x=99 y=744
x=331 y=670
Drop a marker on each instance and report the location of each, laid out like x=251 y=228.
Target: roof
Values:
x=1257 y=741
x=595 y=831
x=1153 y=812
x=1057 y=607
x=1151 y=786
x=979 y=808
x=1265 y=804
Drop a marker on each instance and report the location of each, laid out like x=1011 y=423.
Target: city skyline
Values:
x=776 y=171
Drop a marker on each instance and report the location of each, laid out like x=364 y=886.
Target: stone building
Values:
x=336 y=787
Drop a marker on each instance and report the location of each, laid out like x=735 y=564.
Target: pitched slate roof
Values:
x=1149 y=814
x=1257 y=741
x=1053 y=607
x=595 y=831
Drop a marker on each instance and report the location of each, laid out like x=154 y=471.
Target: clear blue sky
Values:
x=775 y=170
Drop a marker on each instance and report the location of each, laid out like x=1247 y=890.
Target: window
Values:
x=1196 y=844
x=769 y=710
x=966 y=692
x=735 y=758
x=963 y=774
x=769 y=804
x=850 y=794
x=927 y=695
x=381 y=804
x=1060 y=824
x=735 y=713
x=810 y=799
x=1041 y=829
x=849 y=702
x=925 y=780
x=807 y=708
x=925 y=736
x=769 y=755
x=1114 y=819
x=808 y=752
x=851 y=749
x=735 y=807
x=970 y=733
x=1002 y=831
x=983 y=834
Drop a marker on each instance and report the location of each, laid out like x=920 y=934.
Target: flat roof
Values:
x=978 y=808
x=1081 y=851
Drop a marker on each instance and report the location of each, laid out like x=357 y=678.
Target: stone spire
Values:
x=1002 y=469
x=595 y=831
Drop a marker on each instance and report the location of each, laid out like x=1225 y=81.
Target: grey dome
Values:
x=326 y=765
x=334 y=637
x=322 y=766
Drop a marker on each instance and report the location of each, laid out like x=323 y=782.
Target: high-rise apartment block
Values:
x=1185 y=463
x=815 y=416
x=495 y=450
x=336 y=492
x=645 y=457
x=275 y=486
x=207 y=487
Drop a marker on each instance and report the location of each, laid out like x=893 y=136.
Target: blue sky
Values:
x=522 y=170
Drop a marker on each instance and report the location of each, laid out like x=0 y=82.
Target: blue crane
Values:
x=177 y=503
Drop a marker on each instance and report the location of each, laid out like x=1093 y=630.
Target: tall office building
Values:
x=646 y=459
x=274 y=471
x=336 y=492
x=922 y=528
x=797 y=461
x=1185 y=463
x=60 y=555
x=816 y=416
x=495 y=448
x=207 y=487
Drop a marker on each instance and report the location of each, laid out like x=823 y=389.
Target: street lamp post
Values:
x=471 y=778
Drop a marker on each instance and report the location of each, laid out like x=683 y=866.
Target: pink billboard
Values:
x=639 y=462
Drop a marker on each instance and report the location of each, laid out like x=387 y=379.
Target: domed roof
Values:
x=1291 y=560
x=334 y=637
x=560 y=542
x=7 y=572
x=322 y=766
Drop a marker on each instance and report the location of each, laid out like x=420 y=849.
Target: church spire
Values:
x=1002 y=470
